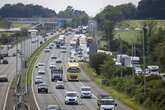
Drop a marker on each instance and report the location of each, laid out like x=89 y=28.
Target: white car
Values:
x=53 y=56
x=54 y=107
x=86 y=92
x=52 y=65
x=107 y=104
x=40 y=65
x=59 y=85
x=41 y=71
x=38 y=79
x=47 y=50
x=3 y=78
x=71 y=97
x=63 y=47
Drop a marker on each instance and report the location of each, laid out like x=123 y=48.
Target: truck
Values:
x=57 y=74
x=4 y=52
x=58 y=44
x=128 y=61
x=106 y=102
x=153 y=70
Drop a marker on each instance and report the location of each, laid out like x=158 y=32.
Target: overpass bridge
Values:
x=42 y=24
x=39 y=20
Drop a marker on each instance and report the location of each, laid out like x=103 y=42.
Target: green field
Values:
x=20 y=25
x=132 y=35
x=132 y=24
x=129 y=36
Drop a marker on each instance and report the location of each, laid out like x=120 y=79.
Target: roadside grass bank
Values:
x=32 y=60
x=113 y=92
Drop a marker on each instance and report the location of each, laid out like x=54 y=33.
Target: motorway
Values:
x=10 y=69
x=56 y=96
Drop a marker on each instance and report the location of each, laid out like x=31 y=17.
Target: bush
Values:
x=97 y=60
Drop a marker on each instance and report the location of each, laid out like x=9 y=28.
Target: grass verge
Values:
x=32 y=60
x=114 y=93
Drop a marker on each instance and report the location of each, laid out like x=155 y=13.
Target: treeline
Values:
x=78 y=17
x=150 y=92
x=21 y=10
x=151 y=9
x=146 y=9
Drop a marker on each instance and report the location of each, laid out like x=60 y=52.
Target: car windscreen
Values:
x=71 y=94
x=107 y=102
x=85 y=89
x=73 y=70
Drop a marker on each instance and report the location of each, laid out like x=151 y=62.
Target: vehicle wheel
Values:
x=66 y=103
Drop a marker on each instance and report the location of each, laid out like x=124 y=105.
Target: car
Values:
x=41 y=71
x=38 y=79
x=59 y=85
x=107 y=104
x=54 y=107
x=43 y=88
x=57 y=74
x=53 y=56
x=51 y=44
x=63 y=51
x=3 y=78
x=40 y=65
x=5 y=61
x=63 y=47
x=58 y=61
x=14 y=54
x=52 y=65
x=50 y=47
x=86 y=92
x=71 y=97
x=47 y=50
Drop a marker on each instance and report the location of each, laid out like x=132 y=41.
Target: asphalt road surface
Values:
x=56 y=96
x=10 y=69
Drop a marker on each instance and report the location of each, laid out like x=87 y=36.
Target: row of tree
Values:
x=146 y=9
x=21 y=10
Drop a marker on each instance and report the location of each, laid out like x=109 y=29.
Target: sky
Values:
x=92 y=7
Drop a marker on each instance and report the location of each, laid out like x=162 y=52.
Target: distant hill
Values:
x=21 y=10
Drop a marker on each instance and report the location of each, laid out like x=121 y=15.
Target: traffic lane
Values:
x=84 y=104
x=43 y=99
x=97 y=90
x=60 y=94
x=8 y=70
x=57 y=96
x=87 y=104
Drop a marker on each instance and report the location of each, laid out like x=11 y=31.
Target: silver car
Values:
x=54 y=107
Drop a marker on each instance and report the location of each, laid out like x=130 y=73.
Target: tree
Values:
x=153 y=9
x=108 y=68
x=97 y=60
x=110 y=16
x=78 y=17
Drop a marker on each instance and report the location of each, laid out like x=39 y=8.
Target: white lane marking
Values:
x=4 y=106
x=7 y=93
x=35 y=99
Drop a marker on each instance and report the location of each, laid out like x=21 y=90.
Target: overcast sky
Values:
x=92 y=7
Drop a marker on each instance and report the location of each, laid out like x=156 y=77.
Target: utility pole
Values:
x=144 y=57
